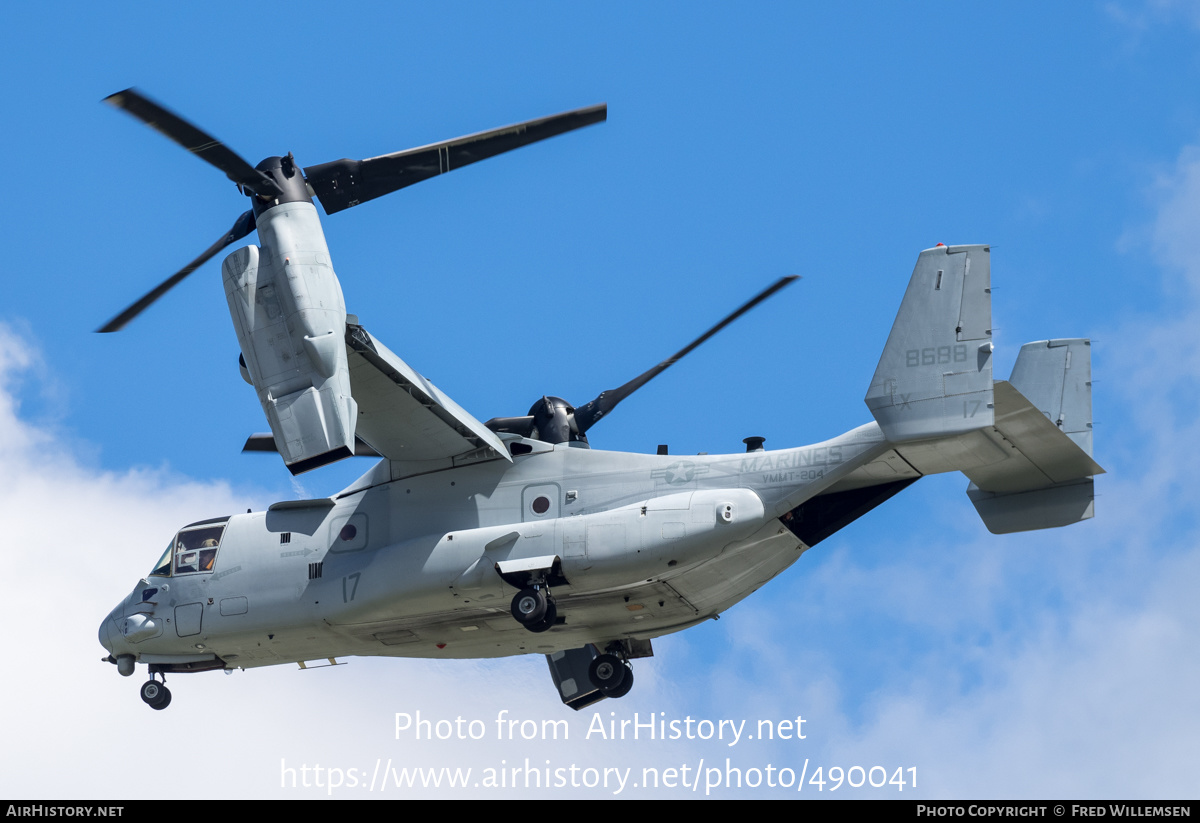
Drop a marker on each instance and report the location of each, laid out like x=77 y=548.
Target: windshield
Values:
x=192 y=550
x=196 y=549
x=163 y=567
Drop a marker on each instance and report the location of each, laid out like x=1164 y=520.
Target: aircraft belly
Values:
x=644 y=611
x=641 y=611
x=740 y=570
x=296 y=643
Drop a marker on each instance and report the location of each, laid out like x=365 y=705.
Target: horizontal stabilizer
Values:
x=1046 y=479
x=934 y=378
x=1040 y=454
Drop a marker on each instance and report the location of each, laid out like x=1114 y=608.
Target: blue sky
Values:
x=742 y=144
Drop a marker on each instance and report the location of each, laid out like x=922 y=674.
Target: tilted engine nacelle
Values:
x=290 y=319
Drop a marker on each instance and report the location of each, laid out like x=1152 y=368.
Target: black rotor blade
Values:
x=243 y=226
x=587 y=415
x=198 y=142
x=344 y=183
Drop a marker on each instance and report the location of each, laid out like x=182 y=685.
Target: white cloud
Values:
x=1139 y=16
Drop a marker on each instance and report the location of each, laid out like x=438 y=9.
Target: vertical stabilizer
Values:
x=1056 y=377
x=935 y=376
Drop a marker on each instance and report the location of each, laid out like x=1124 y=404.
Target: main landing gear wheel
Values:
x=156 y=695
x=547 y=622
x=626 y=685
x=607 y=673
x=529 y=606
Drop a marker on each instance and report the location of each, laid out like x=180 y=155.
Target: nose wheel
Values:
x=156 y=695
x=534 y=608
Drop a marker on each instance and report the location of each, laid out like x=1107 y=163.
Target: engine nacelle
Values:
x=287 y=307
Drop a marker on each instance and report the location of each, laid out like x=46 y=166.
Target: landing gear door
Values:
x=569 y=670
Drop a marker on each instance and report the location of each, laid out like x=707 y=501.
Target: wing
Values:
x=403 y=416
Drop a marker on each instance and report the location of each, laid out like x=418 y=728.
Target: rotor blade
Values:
x=243 y=226
x=199 y=143
x=587 y=415
x=345 y=183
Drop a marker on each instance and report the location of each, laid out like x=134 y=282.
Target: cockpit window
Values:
x=163 y=567
x=196 y=549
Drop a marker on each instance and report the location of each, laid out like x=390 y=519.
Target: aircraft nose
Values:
x=110 y=634
x=105 y=637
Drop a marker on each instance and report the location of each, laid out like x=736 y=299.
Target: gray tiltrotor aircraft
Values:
x=472 y=539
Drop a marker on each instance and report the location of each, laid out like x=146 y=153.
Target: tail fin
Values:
x=934 y=378
x=1045 y=417
x=1056 y=376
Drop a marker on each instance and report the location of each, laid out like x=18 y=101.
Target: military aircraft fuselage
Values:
x=645 y=545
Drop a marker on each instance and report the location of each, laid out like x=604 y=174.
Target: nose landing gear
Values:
x=155 y=694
